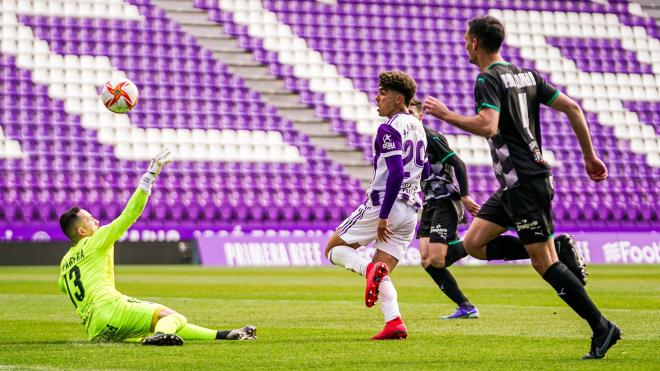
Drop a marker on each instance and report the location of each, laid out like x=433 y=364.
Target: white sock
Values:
x=387 y=295
x=348 y=258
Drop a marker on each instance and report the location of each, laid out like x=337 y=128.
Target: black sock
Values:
x=572 y=292
x=455 y=252
x=221 y=335
x=506 y=248
x=446 y=282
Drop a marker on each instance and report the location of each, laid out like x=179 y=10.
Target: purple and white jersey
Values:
x=402 y=135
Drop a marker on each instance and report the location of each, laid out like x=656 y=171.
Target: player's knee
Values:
x=333 y=242
x=472 y=246
x=437 y=261
x=182 y=319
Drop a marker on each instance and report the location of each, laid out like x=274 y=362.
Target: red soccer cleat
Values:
x=375 y=273
x=394 y=330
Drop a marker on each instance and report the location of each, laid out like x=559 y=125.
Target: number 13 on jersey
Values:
x=74 y=286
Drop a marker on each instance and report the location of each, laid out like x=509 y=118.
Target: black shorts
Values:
x=527 y=208
x=439 y=221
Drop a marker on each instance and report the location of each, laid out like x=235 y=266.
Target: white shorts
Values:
x=362 y=226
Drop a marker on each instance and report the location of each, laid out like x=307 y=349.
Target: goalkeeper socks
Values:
x=348 y=258
x=446 y=282
x=506 y=248
x=389 y=304
x=170 y=324
x=194 y=332
x=455 y=252
x=570 y=290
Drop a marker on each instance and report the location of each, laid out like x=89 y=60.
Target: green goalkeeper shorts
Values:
x=121 y=320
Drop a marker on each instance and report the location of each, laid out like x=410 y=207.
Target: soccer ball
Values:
x=119 y=95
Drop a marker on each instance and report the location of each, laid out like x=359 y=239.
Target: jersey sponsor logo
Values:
x=519 y=80
x=387 y=142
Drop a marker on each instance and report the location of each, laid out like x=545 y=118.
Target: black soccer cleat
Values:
x=601 y=343
x=163 y=339
x=568 y=254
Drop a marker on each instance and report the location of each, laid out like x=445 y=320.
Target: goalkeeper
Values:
x=87 y=277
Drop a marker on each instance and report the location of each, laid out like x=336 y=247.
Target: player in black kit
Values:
x=507 y=103
x=443 y=210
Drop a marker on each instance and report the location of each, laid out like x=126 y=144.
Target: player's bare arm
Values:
x=460 y=171
x=483 y=124
x=595 y=168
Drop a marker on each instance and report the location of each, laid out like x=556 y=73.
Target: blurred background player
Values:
x=443 y=210
x=389 y=215
x=87 y=276
x=507 y=102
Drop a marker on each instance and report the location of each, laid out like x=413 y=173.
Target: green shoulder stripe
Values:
x=448 y=156
x=496 y=108
x=553 y=98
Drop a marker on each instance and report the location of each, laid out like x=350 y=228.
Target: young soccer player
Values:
x=389 y=215
x=87 y=277
x=507 y=104
x=443 y=210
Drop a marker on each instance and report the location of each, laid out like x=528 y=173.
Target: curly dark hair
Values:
x=398 y=81
x=488 y=30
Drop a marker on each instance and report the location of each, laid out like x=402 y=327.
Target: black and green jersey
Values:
x=516 y=93
x=440 y=183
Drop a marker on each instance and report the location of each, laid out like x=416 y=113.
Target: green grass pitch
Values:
x=315 y=318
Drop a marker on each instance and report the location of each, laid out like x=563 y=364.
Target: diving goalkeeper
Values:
x=87 y=277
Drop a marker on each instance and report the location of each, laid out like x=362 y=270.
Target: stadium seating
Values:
x=359 y=46
x=190 y=97
x=242 y=163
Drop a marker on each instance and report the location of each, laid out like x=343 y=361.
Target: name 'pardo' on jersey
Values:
x=516 y=93
x=404 y=135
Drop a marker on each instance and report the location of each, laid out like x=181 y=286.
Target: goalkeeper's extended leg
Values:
x=194 y=332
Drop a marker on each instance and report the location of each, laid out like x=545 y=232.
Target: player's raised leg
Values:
x=484 y=241
x=343 y=254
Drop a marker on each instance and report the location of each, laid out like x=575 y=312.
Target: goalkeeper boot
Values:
x=393 y=330
x=375 y=274
x=163 y=339
x=603 y=340
x=568 y=254
x=243 y=333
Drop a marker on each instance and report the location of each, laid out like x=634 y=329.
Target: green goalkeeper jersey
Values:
x=87 y=270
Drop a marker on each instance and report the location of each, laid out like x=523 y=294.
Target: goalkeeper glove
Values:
x=163 y=158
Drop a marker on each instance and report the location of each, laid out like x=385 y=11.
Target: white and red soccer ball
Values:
x=119 y=95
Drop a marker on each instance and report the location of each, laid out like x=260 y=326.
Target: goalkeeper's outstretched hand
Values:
x=163 y=158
